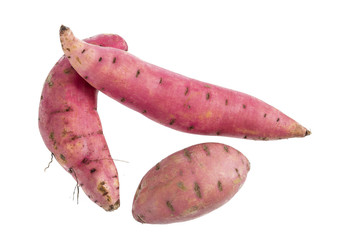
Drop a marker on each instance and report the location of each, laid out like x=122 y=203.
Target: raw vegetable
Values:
x=71 y=129
x=190 y=183
x=174 y=100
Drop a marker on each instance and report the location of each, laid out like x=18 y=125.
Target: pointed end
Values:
x=63 y=29
x=307 y=132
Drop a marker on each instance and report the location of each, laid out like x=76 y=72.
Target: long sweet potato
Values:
x=174 y=100
x=71 y=129
x=190 y=183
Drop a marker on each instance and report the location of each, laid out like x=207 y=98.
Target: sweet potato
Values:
x=71 y=129
x=190 y=183
x=174 y=100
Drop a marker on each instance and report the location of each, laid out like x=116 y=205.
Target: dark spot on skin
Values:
x=206 y=149
x=95 y=108
x=69 y=57
x=100 y=59
x=187 y=154
x=68 y=109
x=265 y=115
x=157 y=166
x=265 y=138
x=83 y=51
x=63 y=157
x=219 y=185
x=245 y=136
x=86 y=77
x=169 y=205
x=144 y=111
x=137 y=73
x=160 y=81
x=218 y=133
x=197 y=190
x=95 y=201
x=68 y=49
x=207 y=96
x=114 y=60
x=237 y=172
x=42 y=97
x=172 y=121
x=115 y=176
x=93 y=170
x=226 y=102
x=100 y=132
x=244 y=106
x=191 y=128
x=277 y=119
x=111 y=207
x=85 y=161
x=105 y=193
x=117 y=188
x=122 y=100
x=102 y=89
x=226 y=148
x=51 y=136
x=67 y=70
x=186 y=91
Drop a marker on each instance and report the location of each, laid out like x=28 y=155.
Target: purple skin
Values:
x=176 y=101
x=71 y=129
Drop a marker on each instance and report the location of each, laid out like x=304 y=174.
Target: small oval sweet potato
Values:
x=190 y=183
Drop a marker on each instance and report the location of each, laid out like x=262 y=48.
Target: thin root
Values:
x=52 y=158
x=76 y=189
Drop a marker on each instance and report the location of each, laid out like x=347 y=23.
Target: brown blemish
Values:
x=218 y=133
x=48 y=80
x=219 y=185
x=278 y=119
x=206 y=149
x=244 y=106
x=160 y=81
x=137 y=73
x=86 y=161
x=186 y=91
x=92 y=170
x=237 y=172
x=144 y=111
x=181 y=186
x=245 y=136
x=67 y=70
x=114 y=60
x=86 y=77
x=226 y=148
x=122 y=100
x=169 y=205
x=187 y=154
x=83 y=51
x=78 y=59
x=207 y=96
x=68 y=49
x=100 y=59
x=197 y=190
x=157 y=166
x=172 y=121
x=226 y=102
x=265 y=115
x=63 y=157
x=191 y=127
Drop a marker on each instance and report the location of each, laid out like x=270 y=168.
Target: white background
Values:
x=302 y=57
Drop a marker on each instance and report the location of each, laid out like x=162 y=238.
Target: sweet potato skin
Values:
x=176 y=101
x=190 y=183
x=71 y=129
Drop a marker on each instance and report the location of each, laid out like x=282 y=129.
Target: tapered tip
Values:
x=63 y=29
x=307 y=132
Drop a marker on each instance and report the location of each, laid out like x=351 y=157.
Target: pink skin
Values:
x=190 y=183
x=174 y=100
x=71 y=129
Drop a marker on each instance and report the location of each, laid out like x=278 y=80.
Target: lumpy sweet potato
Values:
x=190 y=183
x=71 y=129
